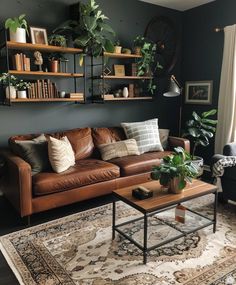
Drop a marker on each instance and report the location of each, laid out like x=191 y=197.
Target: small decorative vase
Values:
x=137 y=50
x=19 y=36
x=174 y=186
x=62 y=94
x=117 y=49
x=125 y=92
x=21 y=94
x=54 y=66
x=10 y=92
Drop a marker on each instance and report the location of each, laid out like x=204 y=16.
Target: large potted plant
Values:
x=18 y=28
x=175 y=171
x=90 y=31
x=9 y=82
x=200 y=129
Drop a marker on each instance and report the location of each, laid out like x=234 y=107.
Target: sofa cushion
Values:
x=145 y=133
x=84 y=172
x=107 y=135
x=81 y=141
x=131 y=165
x=164 y=135
x=61 y=154
x=119 y=149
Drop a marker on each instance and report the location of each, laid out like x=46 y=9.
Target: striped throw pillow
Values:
x=119 y=149
x=61 y=154
x=145 y=133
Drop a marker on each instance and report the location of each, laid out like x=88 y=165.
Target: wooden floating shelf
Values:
x=129 y=98
x=45 y=48
x=46 y=100
x=53 y=74
x=121 y=55
x=126 y=77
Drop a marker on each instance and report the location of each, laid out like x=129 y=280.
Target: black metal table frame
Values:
x=144 y=248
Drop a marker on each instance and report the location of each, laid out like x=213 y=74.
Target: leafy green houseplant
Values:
x=175 y=171
x=57 y=40
x=117 y=47
x=22 y=87
x=18 y=27
x=91 y=31
x=9 y=81
x=200 y=129
x=138 y=43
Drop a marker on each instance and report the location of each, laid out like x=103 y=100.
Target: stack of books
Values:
x=78 y=96
x=42 y=89
x=20 y=62
x=132 y=69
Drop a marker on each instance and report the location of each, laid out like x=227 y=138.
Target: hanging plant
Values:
x=91 y=31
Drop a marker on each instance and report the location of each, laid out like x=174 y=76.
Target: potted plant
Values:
x=90 y=31
x=199 y=130
x=9 y=81
x=22 y=87
x=18 y=27
x=117 y=47
x=54 y=62
x=57 y=40
x=175 y=171
x=138 y=43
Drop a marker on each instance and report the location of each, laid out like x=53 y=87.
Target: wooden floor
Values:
x=10 y=222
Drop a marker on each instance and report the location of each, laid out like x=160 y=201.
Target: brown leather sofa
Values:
x=90 y=177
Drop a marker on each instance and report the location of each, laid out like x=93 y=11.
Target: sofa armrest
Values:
x=18 y=183
x=175 y=141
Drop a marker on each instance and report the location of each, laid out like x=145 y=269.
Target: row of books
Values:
x=43 y=89
x=20 y=62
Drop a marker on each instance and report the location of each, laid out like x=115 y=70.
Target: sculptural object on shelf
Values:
x=38 y=60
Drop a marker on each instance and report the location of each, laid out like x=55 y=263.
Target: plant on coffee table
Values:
x=175 y=171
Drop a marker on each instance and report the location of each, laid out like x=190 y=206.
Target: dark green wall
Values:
x=203 y=51
x=128 y=18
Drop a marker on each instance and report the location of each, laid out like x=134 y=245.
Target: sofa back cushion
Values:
x=81 y=141
x=107 y=135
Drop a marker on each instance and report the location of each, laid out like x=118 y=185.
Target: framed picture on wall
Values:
x=198 y=92
x=38 y=36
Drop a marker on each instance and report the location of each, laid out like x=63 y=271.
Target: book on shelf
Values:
x=42 y=89
x=20 y=62
x=108 y=96
x=131 y=69
x=76 y=96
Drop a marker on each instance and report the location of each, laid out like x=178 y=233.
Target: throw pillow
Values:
x=34 y=152
x=164 y=135
x=119 y=149
x=61 y=154
x=145 y=133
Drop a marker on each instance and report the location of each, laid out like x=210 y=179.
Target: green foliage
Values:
x=139 y=41
x=22 y=85
x=176 y=165
x=200 y=129
x=17 y=22
x=6 y=79
x=57 y=40
x=117 y=43
x=91 y=31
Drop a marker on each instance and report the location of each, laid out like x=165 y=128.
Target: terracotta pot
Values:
x=174 y=186
x=117 y=49
x=54 y=66
x=137 y=50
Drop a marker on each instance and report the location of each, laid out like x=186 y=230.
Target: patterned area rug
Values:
x=78 y=250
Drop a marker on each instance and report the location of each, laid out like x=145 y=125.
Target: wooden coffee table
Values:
x=160 y=202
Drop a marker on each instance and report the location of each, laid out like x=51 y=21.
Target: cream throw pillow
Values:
x=61 y=154
x=119 y=149
x=164 y=135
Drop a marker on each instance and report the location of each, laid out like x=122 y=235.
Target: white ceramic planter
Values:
x=19 y=36
x=125 y=92
x=117 y=49
x=10 y=92
x=22 y=94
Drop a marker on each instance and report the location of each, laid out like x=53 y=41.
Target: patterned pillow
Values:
x=61 y=154
x=164 y=135
x=119 y=149
x=145 y=133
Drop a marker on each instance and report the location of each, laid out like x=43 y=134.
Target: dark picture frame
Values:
x=38 y=36
x=199 y=92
